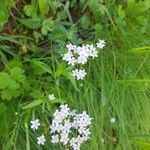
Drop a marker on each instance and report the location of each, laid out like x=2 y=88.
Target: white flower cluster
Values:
x=80 y=55
x=70 y=128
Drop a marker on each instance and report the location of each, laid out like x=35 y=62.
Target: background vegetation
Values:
x=32 y=40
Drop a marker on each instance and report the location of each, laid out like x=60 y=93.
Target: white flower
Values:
x=64 y=109
x=72 y=61
x=55 y=138
x=80 y=55
x=71 y=47
x=100 y=44
x=79 y=74
x=67 y=56
x=112 y=120
x=51 y=97
x=71 y=129
x=41 y=140
x=81 y=59
x=35 y=124
x=64 y=138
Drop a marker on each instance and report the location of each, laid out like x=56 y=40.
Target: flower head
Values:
x=51 y=97
x=79 y=74
x=112 y=120
x=55 y=138
x=41 y=140
x=100 y=44
x=35 y=124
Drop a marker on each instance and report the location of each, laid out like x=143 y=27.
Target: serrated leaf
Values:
x=32 y=23
x=33 y=104
x=17 y=73
x=9 y=94
x=6 y=95
x=7 y=82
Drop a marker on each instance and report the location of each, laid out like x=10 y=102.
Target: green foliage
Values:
x=10 y=84
x=31 y=67
x=3 y=13
x=143 y=144
x=33 y=104
x=32 y=23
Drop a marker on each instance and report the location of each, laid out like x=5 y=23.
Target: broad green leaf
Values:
x=6 y=95
x=17 y=73
x=9 y=94
x=48 y=25
x=32 y=23
x=44 y=7
x=7 y=82
x=33 y=104
x=28 y=10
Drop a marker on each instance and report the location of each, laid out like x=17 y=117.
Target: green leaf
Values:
x=121 y=12
x=33 y=104
x=143 y=144
x=41 y=67
x=85 y=22
x=44 y=7
x=48 y=25
x=7 y=82
x=140 y=50
x=17 y=73
x=8 y=94
x=32 y=23
x=4 y=14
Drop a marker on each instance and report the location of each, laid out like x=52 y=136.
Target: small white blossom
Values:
x=71 y=47
x=64 y=138
x=112 y=120
x=79 y=74
x=41 y=140
x=55 y=138
x=100 y=44
x=35 y=124
x=51 y=97
x=68 y=56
